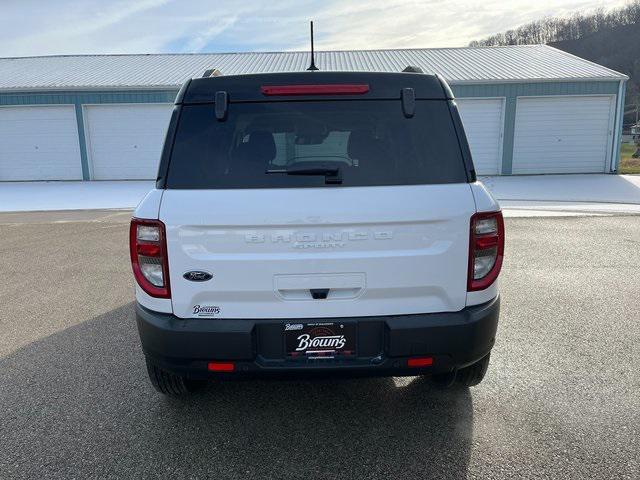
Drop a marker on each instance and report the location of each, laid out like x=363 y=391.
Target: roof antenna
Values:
x=313 y=63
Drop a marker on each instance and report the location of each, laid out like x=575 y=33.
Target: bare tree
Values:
x=557 y=29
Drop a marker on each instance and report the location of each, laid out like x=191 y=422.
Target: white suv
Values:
x=316 y=222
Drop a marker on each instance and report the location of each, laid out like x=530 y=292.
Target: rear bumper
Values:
x=384 y=343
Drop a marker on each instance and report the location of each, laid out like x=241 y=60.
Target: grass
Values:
x=628 y=164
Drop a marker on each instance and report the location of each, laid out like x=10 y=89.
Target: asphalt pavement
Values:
x=561 y=398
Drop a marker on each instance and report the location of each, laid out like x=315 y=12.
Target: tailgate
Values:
x=318 y=252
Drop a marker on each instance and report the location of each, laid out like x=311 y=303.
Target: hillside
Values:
x=617 y=48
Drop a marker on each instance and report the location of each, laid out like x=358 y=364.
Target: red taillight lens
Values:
x=148 y=249
x=335 y=89
x=486 y=249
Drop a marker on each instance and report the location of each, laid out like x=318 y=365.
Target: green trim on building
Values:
x=508 y=134
x=87 y=97
x=617 y=145
x=82 y=142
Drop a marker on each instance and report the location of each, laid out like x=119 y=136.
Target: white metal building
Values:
x=526 y=109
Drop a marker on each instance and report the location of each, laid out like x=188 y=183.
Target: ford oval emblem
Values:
x=197 y=276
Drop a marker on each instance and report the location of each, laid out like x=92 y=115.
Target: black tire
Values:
x=473 y=374
x=169 y=383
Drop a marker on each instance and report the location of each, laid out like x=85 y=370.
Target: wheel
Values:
x=473 y=374
x=169 y=383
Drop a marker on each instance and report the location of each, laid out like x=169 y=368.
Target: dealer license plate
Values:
x=320 y=340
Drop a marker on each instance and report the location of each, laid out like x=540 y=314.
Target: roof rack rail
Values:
x=211 y=72
x=412 y=69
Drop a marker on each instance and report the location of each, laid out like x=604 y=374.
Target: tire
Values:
x=473 y=374
x=169 y=383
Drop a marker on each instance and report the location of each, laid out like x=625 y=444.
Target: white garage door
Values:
x=483 y=121
x=563 y=134
x=39 y=143
x=125 y=141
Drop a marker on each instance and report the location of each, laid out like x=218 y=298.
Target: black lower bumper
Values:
x=384 y=344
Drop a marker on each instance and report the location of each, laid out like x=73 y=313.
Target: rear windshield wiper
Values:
x=332 y=174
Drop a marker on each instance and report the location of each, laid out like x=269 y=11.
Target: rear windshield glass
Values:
x=315 y=144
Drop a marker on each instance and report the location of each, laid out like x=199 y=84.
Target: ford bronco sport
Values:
x=316 y=222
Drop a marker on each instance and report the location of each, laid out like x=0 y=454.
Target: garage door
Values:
x=39 y=143
x=125 y=141
x=483 y=120
x=563 y=134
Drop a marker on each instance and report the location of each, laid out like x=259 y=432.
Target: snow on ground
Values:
x=530 y=195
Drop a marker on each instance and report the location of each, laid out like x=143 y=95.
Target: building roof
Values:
x=457 y=65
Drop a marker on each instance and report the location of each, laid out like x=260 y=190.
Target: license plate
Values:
x=320 y=340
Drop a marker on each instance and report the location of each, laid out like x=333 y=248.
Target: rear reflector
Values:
x=336 y=89
x=148 y=249
x=420 y=362
x=221 y=366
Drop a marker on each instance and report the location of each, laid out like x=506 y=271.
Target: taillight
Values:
x=148 y=248
x=486 y=249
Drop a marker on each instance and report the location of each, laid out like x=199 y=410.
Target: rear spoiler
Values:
x=252 y=87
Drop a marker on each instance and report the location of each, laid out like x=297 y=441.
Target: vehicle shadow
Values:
x=79 y=404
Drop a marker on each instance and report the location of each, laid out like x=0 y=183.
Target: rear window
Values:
x=363 y=143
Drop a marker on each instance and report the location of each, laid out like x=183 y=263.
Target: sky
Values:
x=52 y=27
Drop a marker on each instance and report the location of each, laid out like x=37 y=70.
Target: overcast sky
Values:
x=41 y=27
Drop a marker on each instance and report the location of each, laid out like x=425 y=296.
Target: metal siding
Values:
x=511 y=92
x=483 y=123
x=566 y=134
x=39 y=142
x=125 y=140
x=519 y=63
